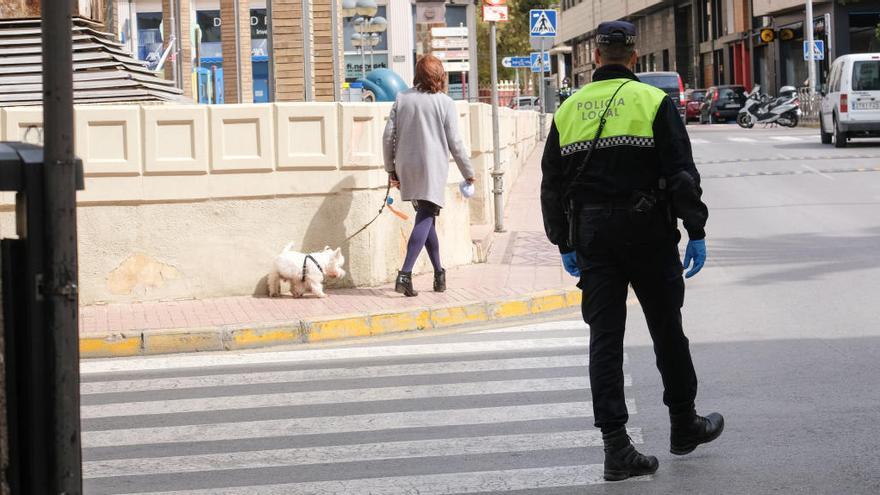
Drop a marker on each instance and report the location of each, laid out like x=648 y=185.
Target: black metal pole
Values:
x=59 y=287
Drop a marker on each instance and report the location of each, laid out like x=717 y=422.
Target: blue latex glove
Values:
x=696 y=252
x=570 y=262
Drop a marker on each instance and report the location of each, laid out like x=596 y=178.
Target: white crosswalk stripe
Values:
x=438 y=484
x=699 y=141
x=742 y=140
x=789 y=139
x=503 y=411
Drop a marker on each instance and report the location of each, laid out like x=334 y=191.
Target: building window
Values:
x=358 y=61
x=149 y=38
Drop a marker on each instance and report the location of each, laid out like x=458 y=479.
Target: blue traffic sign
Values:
x=542 y=23
x=535 y=61
x=818 y=50
x=517 y=62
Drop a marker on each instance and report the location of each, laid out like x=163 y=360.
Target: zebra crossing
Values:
x=497 y=411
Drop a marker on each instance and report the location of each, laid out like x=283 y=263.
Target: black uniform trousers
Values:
x=617 y=248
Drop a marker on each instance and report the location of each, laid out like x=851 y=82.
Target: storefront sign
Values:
x=355 y=64
x=457 y=66
x=452 y=55
x=449 y=32
x=449 y=43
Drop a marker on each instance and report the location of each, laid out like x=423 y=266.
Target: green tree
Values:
x=512 y=37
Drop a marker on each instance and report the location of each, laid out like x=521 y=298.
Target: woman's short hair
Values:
x=430 y=75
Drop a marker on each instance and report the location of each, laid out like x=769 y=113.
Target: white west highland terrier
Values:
x=305 y=272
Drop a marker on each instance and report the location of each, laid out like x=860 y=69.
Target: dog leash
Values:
x=384 y=203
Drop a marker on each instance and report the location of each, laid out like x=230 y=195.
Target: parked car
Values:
x=667 y=81
x=693 y=100
x=851 y=101
x=525 y=103
x=722 y=103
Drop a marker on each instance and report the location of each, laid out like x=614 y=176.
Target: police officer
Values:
x=617 y=174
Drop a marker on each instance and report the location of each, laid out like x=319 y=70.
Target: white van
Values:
x=851 y=101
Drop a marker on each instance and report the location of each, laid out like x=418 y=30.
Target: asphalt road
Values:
x=783 y=326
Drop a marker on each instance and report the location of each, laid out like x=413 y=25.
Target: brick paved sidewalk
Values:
x=520 y=262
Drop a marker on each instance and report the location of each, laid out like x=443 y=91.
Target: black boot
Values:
x=622 y=460
x=440 y=281
x=404 y=284
x=690 y=430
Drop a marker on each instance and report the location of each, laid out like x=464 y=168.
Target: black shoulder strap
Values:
x=595 y=141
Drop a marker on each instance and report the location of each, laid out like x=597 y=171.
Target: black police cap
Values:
x=616 y=32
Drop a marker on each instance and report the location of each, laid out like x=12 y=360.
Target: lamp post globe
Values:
x=378 y=25
x=348 y=8
x=367 y=7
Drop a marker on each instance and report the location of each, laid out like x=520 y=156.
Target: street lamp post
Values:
x=811 y=58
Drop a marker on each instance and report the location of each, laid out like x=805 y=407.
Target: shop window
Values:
x=260 y=55
x=862 y=32
x=356 y=61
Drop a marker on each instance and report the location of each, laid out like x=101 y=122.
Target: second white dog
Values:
x=305 y=272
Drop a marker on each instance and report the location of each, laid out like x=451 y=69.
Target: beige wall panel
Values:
x=22 y=124
x=481 y=119
x=362 y=127
x=241 y=138
x=307 y=135
x=464 y=122
x=108 y=139
x=176 y=139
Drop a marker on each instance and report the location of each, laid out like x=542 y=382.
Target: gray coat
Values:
x=422 y=131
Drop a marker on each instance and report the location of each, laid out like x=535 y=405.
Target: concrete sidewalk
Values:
x=522 y=276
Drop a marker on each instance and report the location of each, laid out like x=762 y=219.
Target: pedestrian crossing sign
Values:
x=535 y=60
x=818 y=51
x=542 y=23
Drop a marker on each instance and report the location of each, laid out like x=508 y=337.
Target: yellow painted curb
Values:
x=508 y=308
x=402 y=321
x=112 y=346
x=249 y=338
x=546 y=301
x=457 y=314
x=183 y=341
x=323 y=329
x=328 y=328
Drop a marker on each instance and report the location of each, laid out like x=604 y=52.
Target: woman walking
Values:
x=422 y=131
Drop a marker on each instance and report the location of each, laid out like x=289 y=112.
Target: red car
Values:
x=693 y=101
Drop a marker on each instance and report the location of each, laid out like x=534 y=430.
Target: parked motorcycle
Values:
x=763 y=109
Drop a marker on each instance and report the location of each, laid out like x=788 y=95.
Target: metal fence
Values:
x=809 y=104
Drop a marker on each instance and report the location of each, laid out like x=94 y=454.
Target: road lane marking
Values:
x=699 y=141
x=786 y=138
x=357 y=372
x=336 y=424
x=817 y=172
x=741 y=140
x=431 y=484
x=486 y=388
x=350 y=453
x=309 y=355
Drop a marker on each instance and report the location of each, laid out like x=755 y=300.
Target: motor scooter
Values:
x=763 y=109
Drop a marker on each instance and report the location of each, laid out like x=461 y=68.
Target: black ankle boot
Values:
x=404 y=284
x=440 y=281
x=690 y=430
x=622 y=460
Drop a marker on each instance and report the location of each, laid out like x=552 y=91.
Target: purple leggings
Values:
x=424 y=234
